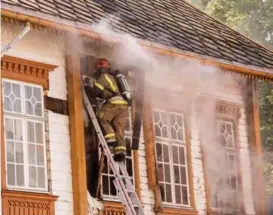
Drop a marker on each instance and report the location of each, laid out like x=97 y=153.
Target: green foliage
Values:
x=266 y=114
x=253 y=18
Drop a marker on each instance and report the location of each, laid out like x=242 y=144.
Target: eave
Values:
x=85 y=30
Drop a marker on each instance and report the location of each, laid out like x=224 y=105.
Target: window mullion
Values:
x=25 y=145
x=171 y=160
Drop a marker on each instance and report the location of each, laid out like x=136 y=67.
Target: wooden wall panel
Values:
x=21 y=203
x=76 y=127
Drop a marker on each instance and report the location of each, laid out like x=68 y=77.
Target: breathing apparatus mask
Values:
x=101 y=66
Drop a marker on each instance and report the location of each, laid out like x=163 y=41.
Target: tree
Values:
x=254 y=19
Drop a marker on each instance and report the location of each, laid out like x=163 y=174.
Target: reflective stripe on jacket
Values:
x=110 y=92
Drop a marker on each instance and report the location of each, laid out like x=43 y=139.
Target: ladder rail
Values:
x=118 y=182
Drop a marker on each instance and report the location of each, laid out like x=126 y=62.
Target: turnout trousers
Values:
x=113 y=118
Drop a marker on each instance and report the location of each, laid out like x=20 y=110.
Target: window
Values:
x=24 y=136
x=223 y=177
x=108 y=188
x=171 y=158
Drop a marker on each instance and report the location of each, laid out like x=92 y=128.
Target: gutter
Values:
x=57 y=23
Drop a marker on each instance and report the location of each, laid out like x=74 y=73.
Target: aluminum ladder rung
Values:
x=123 y=184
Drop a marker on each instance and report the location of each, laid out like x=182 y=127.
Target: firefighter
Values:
x=114 y=112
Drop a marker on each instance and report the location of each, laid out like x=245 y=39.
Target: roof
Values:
x=173 y=23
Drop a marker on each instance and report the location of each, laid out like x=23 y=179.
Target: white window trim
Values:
x=25 y=115
x=230 y=151
x=25 y=118
x=170 y=142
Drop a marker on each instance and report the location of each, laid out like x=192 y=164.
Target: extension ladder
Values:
x=123 y=184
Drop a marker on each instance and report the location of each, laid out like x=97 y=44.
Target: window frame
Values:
x=151 y=102
x=229 y=151
x=169 y=142
x=226 y=111
x=25 y=118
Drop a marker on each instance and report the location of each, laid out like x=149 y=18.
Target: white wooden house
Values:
x=43 y=157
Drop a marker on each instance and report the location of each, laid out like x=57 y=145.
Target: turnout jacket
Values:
x=105 y=87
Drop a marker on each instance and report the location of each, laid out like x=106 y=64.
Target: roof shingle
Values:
x=169 y=22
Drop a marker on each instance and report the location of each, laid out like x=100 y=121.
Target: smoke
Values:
x=179 y=85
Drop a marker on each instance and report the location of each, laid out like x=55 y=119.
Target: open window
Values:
x=107 y=192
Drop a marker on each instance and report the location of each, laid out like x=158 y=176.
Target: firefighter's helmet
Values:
x=101 y=66
x=102 y=63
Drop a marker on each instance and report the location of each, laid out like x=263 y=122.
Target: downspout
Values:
x=16 y=39
x=3 y=51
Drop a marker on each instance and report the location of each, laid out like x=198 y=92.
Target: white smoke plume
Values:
x=185 y=82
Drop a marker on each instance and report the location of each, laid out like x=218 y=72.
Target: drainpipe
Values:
x=3 y=51
x=16 y=39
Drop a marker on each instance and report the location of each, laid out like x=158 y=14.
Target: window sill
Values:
x=180 y=211
x=29 y=203
x=22 y=190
